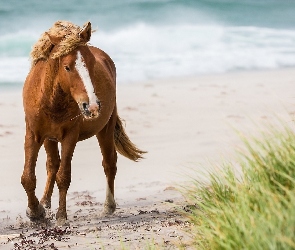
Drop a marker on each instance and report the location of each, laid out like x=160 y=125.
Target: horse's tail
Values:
x=123 y=144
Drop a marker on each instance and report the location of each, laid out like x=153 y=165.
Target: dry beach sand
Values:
x=180 y=122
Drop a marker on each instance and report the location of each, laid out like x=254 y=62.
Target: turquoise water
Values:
x=160 y=38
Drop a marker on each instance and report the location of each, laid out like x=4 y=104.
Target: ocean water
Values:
x=152 y=39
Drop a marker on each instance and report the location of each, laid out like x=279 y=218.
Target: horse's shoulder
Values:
x=103 y=58
x=99 y=52
x=101 y=55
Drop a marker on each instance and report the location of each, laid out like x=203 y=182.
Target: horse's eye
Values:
x=67 y=68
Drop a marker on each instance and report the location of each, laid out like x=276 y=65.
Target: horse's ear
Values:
x=53 y=39
x=85 y=33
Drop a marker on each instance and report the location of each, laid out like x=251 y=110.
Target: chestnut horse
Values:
x=70 y=95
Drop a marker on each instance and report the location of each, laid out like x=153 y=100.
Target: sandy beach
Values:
x=183 y=124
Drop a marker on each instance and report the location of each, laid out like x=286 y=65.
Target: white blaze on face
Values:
x=84 y=74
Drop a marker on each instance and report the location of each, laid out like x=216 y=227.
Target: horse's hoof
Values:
x=39 y=214
x=108 y=209
x=62 y=222
x=61 y=217
x=46 y=203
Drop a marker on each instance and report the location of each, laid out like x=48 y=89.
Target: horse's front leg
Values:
x=63 y=176
x=35 y=211
x=109 y=163
x=52 y=165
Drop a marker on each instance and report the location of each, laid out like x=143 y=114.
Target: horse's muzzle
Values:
x=90 y=111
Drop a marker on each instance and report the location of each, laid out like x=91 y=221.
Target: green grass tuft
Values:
x=255 y=210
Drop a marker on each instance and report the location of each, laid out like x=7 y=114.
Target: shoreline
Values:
x=183 y=123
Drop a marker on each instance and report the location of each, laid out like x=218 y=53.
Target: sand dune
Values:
x=180 y=122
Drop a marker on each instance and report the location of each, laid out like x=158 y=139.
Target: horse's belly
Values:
x=85 y=135
x=89 y=129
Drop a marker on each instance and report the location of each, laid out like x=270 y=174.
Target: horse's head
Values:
x=75 y=73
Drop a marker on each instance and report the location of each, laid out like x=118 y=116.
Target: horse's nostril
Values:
x=85 y=106
x=89 y=110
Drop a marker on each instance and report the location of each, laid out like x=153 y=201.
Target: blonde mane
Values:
x=67 y=32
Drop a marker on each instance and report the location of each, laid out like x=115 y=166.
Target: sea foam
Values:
x=143 y=51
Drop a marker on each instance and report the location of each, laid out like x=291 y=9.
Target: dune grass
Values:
x=255 y=210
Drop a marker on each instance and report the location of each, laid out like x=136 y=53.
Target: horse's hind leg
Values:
x=35 y=210
x=109 y=162
x=52 y=165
